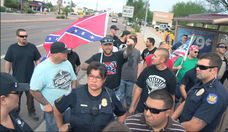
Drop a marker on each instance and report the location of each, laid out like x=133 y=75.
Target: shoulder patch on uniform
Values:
x=212 y=98
x=68 y=92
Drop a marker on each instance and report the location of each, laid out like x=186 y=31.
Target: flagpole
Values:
x=186 y=54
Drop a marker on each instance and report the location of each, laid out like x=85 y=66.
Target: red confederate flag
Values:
x=84 y=30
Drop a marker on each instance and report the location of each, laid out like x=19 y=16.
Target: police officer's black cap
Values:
x=107 y=40
x=9 y=84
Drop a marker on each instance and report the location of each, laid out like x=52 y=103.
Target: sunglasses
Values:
x=196 y=52
x=22 y=36
x=223 y=47
x=154 y=110
x=202 y=67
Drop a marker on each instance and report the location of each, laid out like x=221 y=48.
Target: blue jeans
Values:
x=126 y=88
x=51 y=125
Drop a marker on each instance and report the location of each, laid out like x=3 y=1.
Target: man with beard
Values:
x=113 y=61
x=156 y=116
x=150 y=48
x=21 y=57
x=121 y=43
x=207 y=100
x=154 y=77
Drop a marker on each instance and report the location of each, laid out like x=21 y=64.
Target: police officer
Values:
x=206 y=101
x=92 y=105
x=9 y=97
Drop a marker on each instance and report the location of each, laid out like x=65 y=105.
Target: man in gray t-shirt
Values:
x=129 y=75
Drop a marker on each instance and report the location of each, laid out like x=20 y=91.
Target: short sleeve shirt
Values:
x=113 y=65
x=206 y=102
x=147 y=52
x=152 y=79
x=74 y=59
x=22 y=59
x=52 y=80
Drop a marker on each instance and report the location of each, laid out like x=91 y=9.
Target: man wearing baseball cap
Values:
x=51 y=79
x=113 y=31
x=113 y=61
x=121 y=43
x=9 y=97
x=187 y=65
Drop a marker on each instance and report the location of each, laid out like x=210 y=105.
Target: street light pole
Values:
x=145 y=21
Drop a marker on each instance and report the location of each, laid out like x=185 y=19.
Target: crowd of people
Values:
x=185 y=95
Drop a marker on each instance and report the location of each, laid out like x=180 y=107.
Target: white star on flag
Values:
x=92 y=37
x=75 y=30
x=49 y=38
x=83 y=33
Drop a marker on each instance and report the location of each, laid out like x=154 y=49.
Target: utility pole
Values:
x=145 y=21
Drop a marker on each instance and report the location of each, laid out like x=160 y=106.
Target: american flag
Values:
x=82 y=31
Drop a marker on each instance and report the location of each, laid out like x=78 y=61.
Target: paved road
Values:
x=38 y=27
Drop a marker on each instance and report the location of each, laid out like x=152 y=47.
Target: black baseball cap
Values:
x=134 y=38
x=107 y=40
x=126 y=32
x=114 y=27
x=59 y=47
x=9 y=84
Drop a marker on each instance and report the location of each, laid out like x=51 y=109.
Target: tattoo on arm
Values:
x=39 y=97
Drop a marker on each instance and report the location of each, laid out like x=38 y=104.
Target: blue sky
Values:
x=116 y=5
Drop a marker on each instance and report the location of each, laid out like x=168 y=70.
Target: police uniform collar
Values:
x=91 y=96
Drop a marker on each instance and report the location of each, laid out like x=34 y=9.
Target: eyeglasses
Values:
x=16 y=92
x=97 y=78
x=22 y=36
x=202 y=67
x=196 y=52
x=154 y=110
x=222 y=47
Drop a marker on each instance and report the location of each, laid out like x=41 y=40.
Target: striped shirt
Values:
x=137 y=123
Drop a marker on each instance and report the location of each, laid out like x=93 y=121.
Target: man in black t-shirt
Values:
x=113 y=31
x=154 y=77
x=74 y=60
x=150 y=48
x=21 y=56
x=121 y=43
x=112 y=60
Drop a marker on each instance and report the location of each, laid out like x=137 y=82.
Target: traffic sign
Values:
x=128 y=11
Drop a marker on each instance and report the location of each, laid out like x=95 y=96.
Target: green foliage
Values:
x=50 y=6
x=29 y=10
x=136 y=27
x=11 y=4
x=181 y=9
x=119 y=14
x=66 y=10
x=2 y=9
x=217 y=5
x=60 y=17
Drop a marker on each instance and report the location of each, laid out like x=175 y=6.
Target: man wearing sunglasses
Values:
x=221 y=49
x=206 y=101
x=9 y=97
x=156 y=116
x=21 y=57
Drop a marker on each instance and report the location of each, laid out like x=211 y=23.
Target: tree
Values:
x=217 y=5
x=11 y=4
x=66 y=10
x=181 y=9
x=50 y=6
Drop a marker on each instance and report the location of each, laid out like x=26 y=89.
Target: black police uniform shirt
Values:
x=19 y=124
x=22 y=59
x=147 y=52
x=189 y=79
x=89 y=113
x=152 y=79
x=206 y=102
x=113 y=65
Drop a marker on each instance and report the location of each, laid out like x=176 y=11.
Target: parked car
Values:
x=165 y=27
x=114 y=19
x=129 y=23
